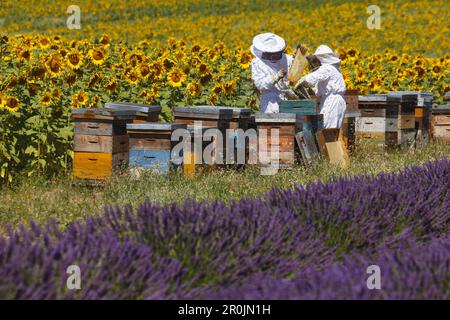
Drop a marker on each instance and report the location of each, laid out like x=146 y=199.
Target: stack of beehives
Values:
x=100 y=143
x=440 y=122
x=387 y=119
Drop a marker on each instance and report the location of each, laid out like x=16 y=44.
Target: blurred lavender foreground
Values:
x=314 y=242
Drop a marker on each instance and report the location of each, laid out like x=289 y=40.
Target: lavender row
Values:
x=415 y=271
x=170 y=252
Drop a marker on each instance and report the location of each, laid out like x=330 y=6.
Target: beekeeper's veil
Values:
x=268 y=47
x=326 y=55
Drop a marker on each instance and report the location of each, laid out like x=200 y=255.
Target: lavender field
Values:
x=313 y=242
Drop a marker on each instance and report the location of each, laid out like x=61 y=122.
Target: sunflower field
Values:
x=194 y=52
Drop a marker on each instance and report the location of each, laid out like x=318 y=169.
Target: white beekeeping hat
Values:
x=267 y=43
x=326 y=55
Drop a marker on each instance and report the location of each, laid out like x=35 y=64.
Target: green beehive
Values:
x=301 y=107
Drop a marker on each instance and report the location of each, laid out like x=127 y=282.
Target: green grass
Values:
x=40 y=199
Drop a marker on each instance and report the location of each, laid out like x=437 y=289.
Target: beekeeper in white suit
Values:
x=329 y=85
x=269 y=69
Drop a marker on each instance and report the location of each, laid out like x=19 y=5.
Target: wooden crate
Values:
x=151 y=146
x=143 y=112
x=287 y=124
x=332 y=146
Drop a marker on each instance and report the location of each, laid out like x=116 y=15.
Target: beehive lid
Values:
x=277 y=117
x=120 y=106
x=445 y=108
x=379 y=98
x=352 y=115
x=89 y=112
x=405 y=96
x=154 y=126
x=238 y=112
x=211 y=111
x=192 y=128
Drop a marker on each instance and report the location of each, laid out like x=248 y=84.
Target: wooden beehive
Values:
x=206 y=115
x=387 y=120
x=193 y=160
x=440 y=123
x=100 y=143
x=301 y=107
x=423 y=102
x=234 y=145
x=351 y=100
x=151 y=146
x=143 y=112
x=348 y=129
x=287 y=124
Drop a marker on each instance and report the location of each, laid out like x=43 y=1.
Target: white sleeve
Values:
x=261 y=80
x=313 y=78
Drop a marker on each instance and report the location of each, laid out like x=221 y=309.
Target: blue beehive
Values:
x=151 y=145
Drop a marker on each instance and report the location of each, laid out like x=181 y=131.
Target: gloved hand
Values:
x=280 y=75
x=303 y=49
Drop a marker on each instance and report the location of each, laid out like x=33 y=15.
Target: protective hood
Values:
x=326 y=55
x=267 y=42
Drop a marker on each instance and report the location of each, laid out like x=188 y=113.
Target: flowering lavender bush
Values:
x=322 y=237
x=416 y=271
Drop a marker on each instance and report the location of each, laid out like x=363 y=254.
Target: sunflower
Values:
x=203 y=69
x=74 y=59
x=46 y=99
x=79 y=99
x=56 y=94
x=144 y=70
x=94 y=102
x=54 y=64
x=97 y=55
x=132 y=77
x=105 y=40
x=213 y=99
x=95 y=79
x=342 y=54
x=420 y=72
x=111 y=86
x=2 y=100
x=360 y=75
x=217 y=88
x=244 y=59
x=352 y=54
x=25 y=54
x=212 y=54
x=168 y=63
x=44 y=42
x=176 y=77
x=157 y=69
x=229 y=87
x=12 y=104
x=436 y=69
x=193 y=89
x=195 y=48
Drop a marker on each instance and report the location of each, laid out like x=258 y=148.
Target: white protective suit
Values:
x=264 y=71
x=329 y=86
